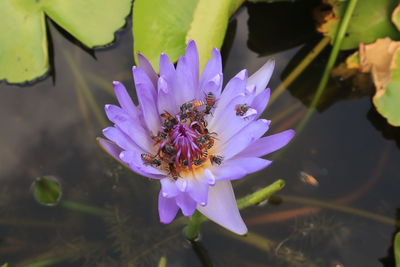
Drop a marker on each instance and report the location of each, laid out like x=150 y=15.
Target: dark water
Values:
x=50 y=128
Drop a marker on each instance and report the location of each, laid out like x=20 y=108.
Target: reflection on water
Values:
x=108 y=215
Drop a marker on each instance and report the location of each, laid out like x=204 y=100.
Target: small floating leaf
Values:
x=47 y=190
x=397 y=249
x=396 y=17
x=23 y=41
x=370 y=21
x=173 y=23
x=382 y=60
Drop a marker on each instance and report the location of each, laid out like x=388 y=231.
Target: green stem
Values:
x=331 y=62
x=162 y=262
x=83 y=208
x=342 y=208
x=86 y=92
x=193 y=227
x=260 y=195
x=299 y=68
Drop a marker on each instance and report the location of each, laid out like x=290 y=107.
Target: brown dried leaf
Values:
x=377 y=59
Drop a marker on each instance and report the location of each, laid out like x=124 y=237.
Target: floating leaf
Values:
x=23 y=41
x=47 y=190
x=370 y=21
x=397 y=249
x=396 y=17
x=173 y=23
x=382 y=60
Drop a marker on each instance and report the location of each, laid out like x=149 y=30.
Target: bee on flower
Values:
x=193 y=136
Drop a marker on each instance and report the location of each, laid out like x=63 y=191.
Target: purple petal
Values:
x=261 y=77
x=209 y=176
x=268 y=144
x=184 y=86
x=186 y=203
x=167 y=208
x=168 y=188
x=213 y=68
x=125 y=100
x=120 y=138
x=134 y=161
x=148 y=69
x=198 y=190
x=213 y=86
x=235 y=87
x=244 y=138
x=227 y=124
x=181 y=184
x=165 y=97
x=249 y=164
x=192 y=60
x=166 y=67
x=229 y=172
x=130 y=127
x=222 y=208
x=147 y=99
x=260 y=101
x=112 y=149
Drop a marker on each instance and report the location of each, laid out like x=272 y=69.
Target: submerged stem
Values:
x=83 y=208
x=299 y=68
x=331 y=62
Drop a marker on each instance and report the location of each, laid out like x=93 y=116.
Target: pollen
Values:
x=183 y=141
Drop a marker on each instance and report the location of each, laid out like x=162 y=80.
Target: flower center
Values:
x=184 y=140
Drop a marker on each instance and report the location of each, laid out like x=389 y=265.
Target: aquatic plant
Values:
x=191 y=136
x=24 y=42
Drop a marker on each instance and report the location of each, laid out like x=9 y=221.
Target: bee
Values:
x=198 y=161
x=183 y=116
x=199 y=127
x=159 y=137
x=150 y=160
x=201 y=140
x=167 y=149
x=192 y=105
x=172 y=171
x=210 y=143
x=169 y=121
x=166 y=115
x=210 y=102
x=216 y=159
x=241 y=109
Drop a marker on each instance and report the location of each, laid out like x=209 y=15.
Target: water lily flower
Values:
x=193 y=136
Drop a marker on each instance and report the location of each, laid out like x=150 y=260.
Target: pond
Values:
x=338 y=208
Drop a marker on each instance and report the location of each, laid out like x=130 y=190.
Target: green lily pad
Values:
x=23 y=42
x=173 y=23
x=47 y=190
x=397 y=249
x=370 y=20
x=387 y=100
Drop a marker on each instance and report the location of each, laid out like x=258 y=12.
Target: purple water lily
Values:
x=192 y=136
